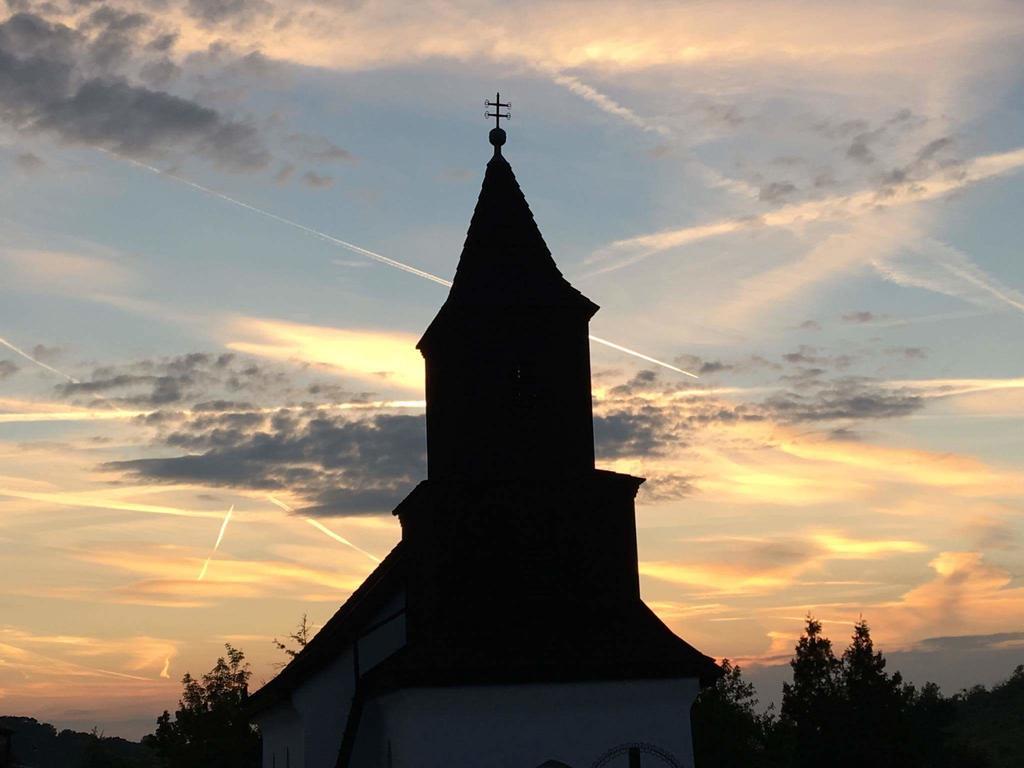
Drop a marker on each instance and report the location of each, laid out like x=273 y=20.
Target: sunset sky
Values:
x=813 y=206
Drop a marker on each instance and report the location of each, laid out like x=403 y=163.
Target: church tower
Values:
x=506 y=628
x=508 y=355
x=513 y=518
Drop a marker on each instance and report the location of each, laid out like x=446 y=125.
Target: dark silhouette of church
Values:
x=506 y=628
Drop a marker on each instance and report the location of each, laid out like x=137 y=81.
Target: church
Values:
x=506 y=629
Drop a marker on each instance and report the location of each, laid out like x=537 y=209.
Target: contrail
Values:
x=642 y=356
x=40 y=363
x=325 y=530
x=352 y=247
x=629 y=251
x=281 y=219
x=51 y=369
x=607 y=104
x=216 y=546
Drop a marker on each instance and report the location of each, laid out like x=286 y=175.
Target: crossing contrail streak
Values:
x=51 y=369
x=325 y=530
x=282 y=220
x=642 y=356
x=40 y=363
x=216 y=546
x=355 y=248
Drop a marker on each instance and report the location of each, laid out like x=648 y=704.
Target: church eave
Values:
x=337 y=634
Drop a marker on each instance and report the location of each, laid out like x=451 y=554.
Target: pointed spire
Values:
x=505 y=262
x=505 y=259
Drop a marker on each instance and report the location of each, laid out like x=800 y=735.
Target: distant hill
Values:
x=39 y=745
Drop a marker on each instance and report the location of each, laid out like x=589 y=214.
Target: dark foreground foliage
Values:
x=847 y=711
x=210 y=727
x=40 y=745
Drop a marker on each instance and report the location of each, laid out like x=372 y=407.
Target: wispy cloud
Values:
x=104 y=500
x=380 y=358
x=626 y=252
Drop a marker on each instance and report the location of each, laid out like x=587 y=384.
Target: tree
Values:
x=875 y=730
x=875 y=717
x=300 y=637
x=210 y=727
x=728 y=732
x=811 y=703
x=989 y=723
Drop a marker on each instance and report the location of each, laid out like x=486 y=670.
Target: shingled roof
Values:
x=386 y=580
x=625 y=642
x=505 y=261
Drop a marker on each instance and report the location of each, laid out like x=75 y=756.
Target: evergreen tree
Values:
x=874 y=706
x=210 y=727
x=728 y=732
x=809 y=720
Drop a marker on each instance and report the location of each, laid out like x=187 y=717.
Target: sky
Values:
x=210 y=398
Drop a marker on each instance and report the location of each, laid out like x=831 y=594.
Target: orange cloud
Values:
x=386 y=359
x=168 y=579
x=842 y=547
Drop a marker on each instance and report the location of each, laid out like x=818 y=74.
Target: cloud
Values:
x=7 y=369
x=106 y=500
x=316 y=148
x=808 y=355
x=798 y=443
x=908 y=353
x=850 y=398
x=838 y=546
x=316 y=181
x=723 y=578
x=858 y=317
x=214 y=12
x=64 y=273
x=159 y=72
x=926 y=263
x=378 y=358
x=284 y=173
x=65 y=82
x=337 y=464
x=134 y=654
x=165 y=576
x=837 y=38
x=751 y=565
x=965 y=591
x=29 y=162
x=192 y=377
x=776 y=191
x=840 y=208
x=163 y=43
x=631 y=433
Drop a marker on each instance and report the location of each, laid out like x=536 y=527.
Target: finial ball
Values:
x=496 y=137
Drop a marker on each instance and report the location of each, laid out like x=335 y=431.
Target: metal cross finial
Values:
x=497 y=134
x=498 y=106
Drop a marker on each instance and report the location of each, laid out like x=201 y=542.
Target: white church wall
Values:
x=311 y=724
x=281 y=728
x=323 y=702
x=580 y=724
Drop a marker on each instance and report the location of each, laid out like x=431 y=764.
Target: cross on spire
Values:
x=498 y=105
x=497 y=134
